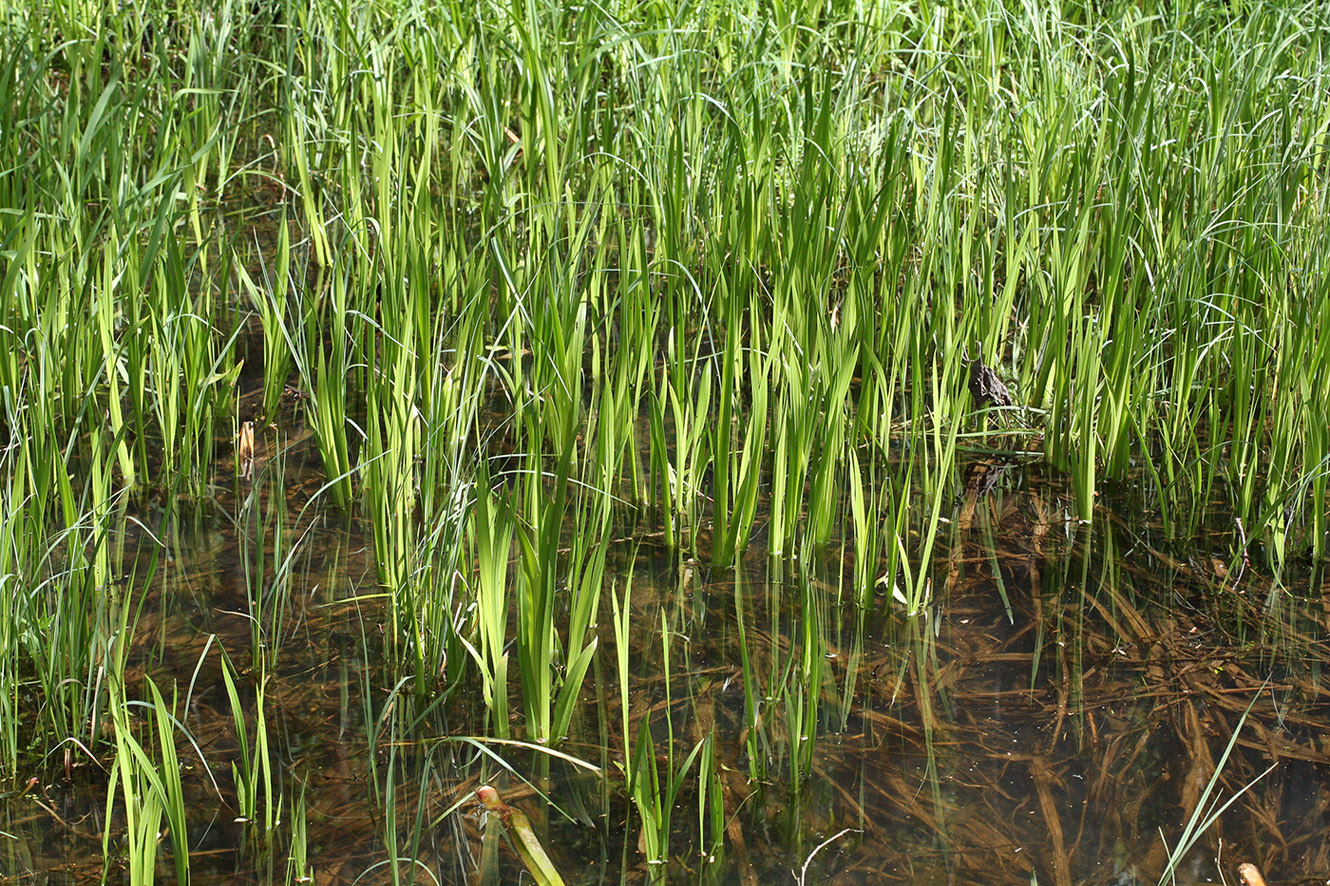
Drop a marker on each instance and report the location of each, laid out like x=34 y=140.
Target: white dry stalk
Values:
x=803 y=872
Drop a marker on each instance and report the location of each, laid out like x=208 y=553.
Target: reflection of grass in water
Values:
x=711 y=267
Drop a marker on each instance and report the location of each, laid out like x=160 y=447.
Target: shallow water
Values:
x=1062 y=703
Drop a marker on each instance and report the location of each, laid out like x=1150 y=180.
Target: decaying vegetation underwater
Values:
x=404 y=397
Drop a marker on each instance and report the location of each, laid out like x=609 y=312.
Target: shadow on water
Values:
x=1053 y=716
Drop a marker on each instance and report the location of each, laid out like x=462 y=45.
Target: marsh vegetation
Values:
x=398 y=398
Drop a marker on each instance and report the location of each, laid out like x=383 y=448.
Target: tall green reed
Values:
x=148 y=790
x=716 y=265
